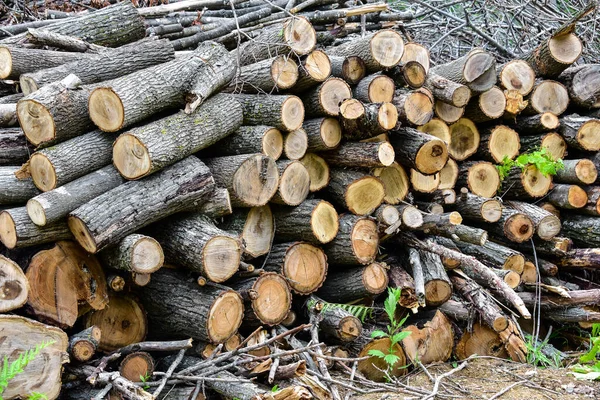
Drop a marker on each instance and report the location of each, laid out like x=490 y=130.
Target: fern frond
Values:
x=9 y=371
x=360 y=312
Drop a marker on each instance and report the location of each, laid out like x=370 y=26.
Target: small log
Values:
x=375 y=88
x=361 y=194
x=255 y=226
x=552 y=142
x=420 y=151
x=43 y=373
x=477 y=208
x=284 y=112
x=593 y=204
x=529 y=274
x=314 y=68
x=481 y=177
x=464 y=139
x=400 y=279
x=580 y=258
x=323 y=133
x=303 y=265
x=412 y=260
x=116 y=283
x=583 y=315
x=294 y=183
x=13 y=285
x=365 y=155
x=325 y=99
x=14 y=149
x=568 y=196
x=52 y=206
x=252 y=179
x=136 y=366
x=194 y=242
x=580 y=132
x=266 y=76
x=487 y=106
x=579 y=172
x=117 y=104
x=447 y=112
x=344 y=286
x=268 y=299
x=513 y=225
x=395 y=182
x=516 y=75
x=432 y=342
x=448 y=91
x=17 y=230
x=476 y=69
x=409 y=73
x=497 y=143
x=295 y=144
x=379 y=51
x=15 y=191
x=374 y=368
x=314 y=221
x=134 y=253
x=438 y=288
x=448 y=175
x=489 y=312
x=414 y=107
x=318 y=170
x=364 y=121
x=511 y=278
x=582 y=82
x=538 y=123
x=83 y=345
x=335 y=323
x=554 y=55
x=291 y=36
x=351 y=69
x=177 y=306
x=357 y=241
x=547 y=225
x=136 y=204
x=64 y=280
x=250 y=139
x=547 y=96
x=414 y=51
x=15 y=61
x=582 y=229
x=146 y=149
x=495 y=255
x=529 y=183
x=462 y=233
x=546 y=269
x=424 y=183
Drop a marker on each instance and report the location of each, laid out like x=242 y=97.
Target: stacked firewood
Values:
x=261 y=199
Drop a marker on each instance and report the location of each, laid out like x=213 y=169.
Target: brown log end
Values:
x=5 y=62
x=353 y=69
x=447 y=112
x=147 y=256
x=295 y=144
x=375 y=278
x=529 y=274
x=483 y=179
x=349 y=328
x=386 y=48
x=331 y=132
x=131 y=157
x=324 y=222
x=395 y=182
x=80 y=232
x=517 y=75
x=491 y=210
x=365 y=240
x=438 y=128
x=317 y=65
x=503 y=142
x=106 y=109
x=565 y=49
x=258 y=231
x=36 y=121
x=305 y=267
x=221 y=257
x=14 y=286
x=514 y=262
x=534 y=182
x=387 y=116
x=414 y=73
x=588 y=135
x=431 y=157
x=272 y=143
x=432 y=343
x=8 y=230
x=492 y=102
x=437 y=292
x=137 y=366
x=292 y=113
x=256 y=180
x=284 y=72
x=273 y=298
x=381 y=89
x=417 y=108
x=294 y=184
x=299 y=34
x=555 y=144
x=549 y=96
x=482 y=341
x=512 y=279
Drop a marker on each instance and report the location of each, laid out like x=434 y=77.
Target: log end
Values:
x=586 y=171
x=331 y=132
x=414 y=73
x=418 y=108
x=131 y=157
x=14 y=286
x=317 y=65
x=464 y=139
x=424 y=183
x=438 y=128
x=534 y=182
x=381 y=89
x=140 y=279
x=83 y=350
x=284 y=72
x=514 y=262
x=36 y=121
x=353 y=69
x=300 y=35
x=106 y=109
x=395 y=182
x=28 y=84
x=548 y=227
x=365 y=240
x=294 y=184
x=447 y=112
x=588 y=135
x=386 y=154
x=461 y=96
x=491 y=210
x=273 y=300
x=483 y=179
x=42 y=172
x=364 y=195
x=387 y=116
x=5 y=62
x=517 y=75
x=136 y=365
x=387 y=48
x=493 y=102
x=146 y=256
x=305 y=267
x=349 y=328
x=519 y=228
x=82 y=234
x=318 y=171
x=225 y=316
x=504 y=142
x=256 y=180
x=352 y=109
x=272 y=143
x=375 y=278
x=36 y=212
x=432 y=157
x=221 y=258
x=565 y=49
x=295 y=144
x=412 y=217
x=555 y=144
x=549 y=121
x=512 y=279
x=549 y=96
x=332 y=93
x=324 y=222
x=577 y=197
x=8 y=230
x=437 y=292
x=258 y=231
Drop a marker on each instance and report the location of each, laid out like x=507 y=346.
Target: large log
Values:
x=294 y=183
x=15 y=61
x=313 y=221
x=54 y=205
x=344 y=286
x=295 y=144
x=14 y=190
x=497 y=143
x=552 y=142
x=360 y=193
x=13 y=284
x=579 y=258
x=395 y=182
x=263 y=139
x=375 y=88
x=121 y=102
x=150 y=148
x=487 y=106
x=420 y=151
x=583 y=81
x=357 y=241
x=17 y=230
x=324 y=100
x=476 y=208
x=547 y=96
x=516 y=75
x=103 y=66
x=554 y=55
x=481 y=177
x=581 y=132
x=110 y=217
x=266 y=76
x=256 y=228
x=194 y=242
x=464 y=139
x=476 y=69
x=584 y=230
x=379 y=51
x=284 y=112
x=14 y=149
x=579 y=172
x=547 y=225
x=135 y=253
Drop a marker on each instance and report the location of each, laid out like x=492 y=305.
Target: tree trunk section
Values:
x=529 y=183
x=547 y=225
x=375 y=88
x=583 y=82
x=516 y=75
x=488 y=106
x=552 y=142
x=364 y=121
x=414 y=107
x=294 y=183
x=379 y=51
x=568 y=196
x=13 y=284
x=374 y=368
x=266 y=76
x=477 y=208
x=400 y=279
x=584 y=230
x=490 y=313
x=14 y=149
x=433 y=342
x=464 y=139
x=135 y=253
x=16 y=61
x=17 y=230
x=578 y=172
x=284 y=112
x=420 y=151
x=476 y=70
x=364 y=155
x=325 y=99
x=360 y=193
x=354 y=283
x=547 y=96
x=438 y=288
x=494 y=255
x=410 y=73
x=395 y=182
x=480 y=177
x=448 y=91
x=256 y=228
x=314 y=221
x=248 y=140
x=538 y=123
x=447 y=112
x=83 y=345
x=356 y=243
x=497 y=143
x=554 y=55
x=15 y=191
x=580 y=133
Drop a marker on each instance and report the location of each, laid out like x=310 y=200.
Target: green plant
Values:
x=393 y=331
x=360 y=312
x=144 y=379
x=11 y=370
x=541 y=158
x=590 y=372
x=537 y=356
x=274 y=389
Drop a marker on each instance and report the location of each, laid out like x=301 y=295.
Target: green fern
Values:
x=10 y=370
x=360 y=312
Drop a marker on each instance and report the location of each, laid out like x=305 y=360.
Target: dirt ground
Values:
x=484 y=378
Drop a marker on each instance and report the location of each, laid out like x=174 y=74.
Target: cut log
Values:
x=266 y=76
x=323 y=133
x=463 y=233
x=583 y=81
x=514 y=225
x=395 y=182
x=476 y=69
x=13 y=285
x=318 y=170
x=251 y=179
x=136 y=366
x=14 y=190
x=448 y=175
x=489 y=312
x=121 y=102
x=176 y=306
x=539 y=123
x=477 y=208
x=351 y=69
x=374 y=368
x=65 y=281
x=400 y=279
x=110 y=217
x=420 y=151
x=433 y=342
x=356 y=191
x=438 y=288
x=410 y=216
x=14 y=149
x=440 y=196
x=284 y=112
x=529 y=183
x=511 y=278
x=552 y=142
x=379 y=51
x=291 y=36
x=294 y=183
x=314 y=221
x=375 y=88
x=408 y=74
x=335 y=323
x=83 y=345
x=494 y=255
x=438 y=128
x=568 y=196
x=135 y=253
x=582 y=229
x=55 y=166
x=17 y=230
x=366 y=155
x=303 y=265
x=581 y=133
x=43 y=373
x=447 y=112
x=517 y=75
x=250 y=139
x=439 y=220
x=579 y=258
x=547 y=96
x=497 y=143
x=357 y=241
x=267 y=299
x=55 y=113
x=547 y=225
x=295 y=144
x=8 y=114
x=424 y=183
x=554 y=55
x=448 y=91
x=256 y=228
x=104 y=65
x=344 y=286
x=314 y=68
x=412 y=261
x=194 y=242
x=414 y=107
x=593 y=204
x=464 y=139
x=15 y=61
x=325 y=99
x=482 y=341
x=364 y=121
x=152 y=147
x=414 y=51
x=487 y=106
x=579 y=172
x=481 y=177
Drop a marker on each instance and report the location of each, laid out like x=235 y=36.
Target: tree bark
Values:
x=554 y=55
x=529 y=183
x=593 y=204
x=17 y=230
x=477 y=208
x=335 y=323
x=360 y=193
x=379 y=51
x=17 y=61
x=409 y=73
x=400 y=279
x=547 y=225
x=248 y=140
x=579 y=172
x=357 y=241
x=14 y=149
x=584 y=230
x=582 y=82
x=481 y=177
x=354 y=283
x=365 y=155
x=15 y=191
x=135 y=253
x=538 y=123
x=476 y=69
x=284 y=112
x=552 y=142
x=448 y=91
x=314 y=221
x=420 y=151
x=568 y=196
x=490 y=313
x=364 y=121
x=494 y=255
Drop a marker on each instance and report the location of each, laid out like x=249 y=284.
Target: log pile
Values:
x=201 y=219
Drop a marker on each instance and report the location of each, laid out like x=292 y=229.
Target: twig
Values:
x=314 y=333
x=101 y=394
x=174 y=345
x=352 y=373
x=506 y=389
x=101 y=365
x=170 y=371
x=438 y=380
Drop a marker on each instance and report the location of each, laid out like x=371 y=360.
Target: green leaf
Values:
x=391 y=359
x=390 y=304
x=376 y=353
x=397 y=338
x=378 y=334
x=274 y=388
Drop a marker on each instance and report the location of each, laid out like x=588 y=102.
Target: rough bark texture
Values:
x=351 y=69
x=325 y=99
x=447 y=90
x=19 y=60
x=438 y=288
x=15 y=191
x=375 y=88
x=266 y=76
x=539 y=123
x=14 y=148
x=488 y=310
x=354 y=283
x=420 y=151
x=17 y=230
x=314 y=221
x=494 y=255
x=583 y=82
x=284 y=112
x=414 y=107
x=554 y=55
x=584 y=230
x=379 y=51
x=528 y=184
x=135 y=253
x=580 y=132
x=476 y=69
x=364 y=121
x=356 y=242
x=552 y=142
x=477 y=208
x=363 y=155
x=568 y=196
x=547 y=225
x=263 y=139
